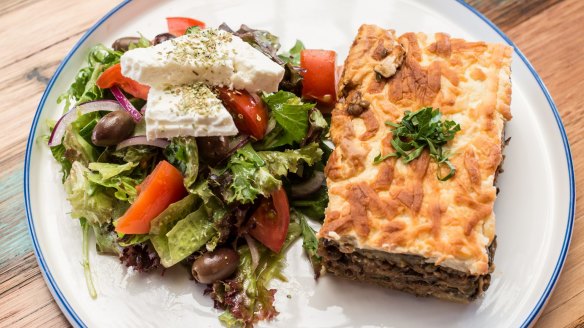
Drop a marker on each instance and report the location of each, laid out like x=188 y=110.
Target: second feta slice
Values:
x=186 y=110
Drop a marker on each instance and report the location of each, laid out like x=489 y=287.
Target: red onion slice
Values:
x=72 y=115
x=126 y=104
x=253 y=249
x=142 y=141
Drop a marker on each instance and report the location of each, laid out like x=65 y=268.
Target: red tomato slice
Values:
x=178 y=26
x=248 y=111
x=113 y=76
x=161 y=188
x=319 y=80
x=269 y=223
x=144 y=184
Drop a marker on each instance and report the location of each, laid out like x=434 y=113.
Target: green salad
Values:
x=202 y=148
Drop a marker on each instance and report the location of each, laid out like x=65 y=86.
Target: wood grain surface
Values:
x=35 y=35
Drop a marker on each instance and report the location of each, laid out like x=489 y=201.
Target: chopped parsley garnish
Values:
x=420 y=130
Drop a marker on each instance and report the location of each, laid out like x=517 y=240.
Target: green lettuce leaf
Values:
x=310 y=242
x=292 y=80
x=88 y=200
x=76 y=142
x=313 y=206
x=129 y=240
x=187 y=236
x=165 y=221
x=58 y=153
x=106 y=240
x=142 y=43
x=281 y=163
x=247 y=297
x=202 y=190
x=183 y=154
x=117 y=177
x=84 y=89
x=184 y=227
x=291 y=116
x=293 y=55
x=136 y=154
x=85 y=225
x=230 y=321
x=221 y=222
x=108 y=170
x=258 y=173
x=161 y=224
x=317 y=121
x=147 y=157
x=251 y=177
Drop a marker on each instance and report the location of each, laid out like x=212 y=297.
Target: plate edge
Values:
x=535 y=313
x=65 y=307
x=76 y=321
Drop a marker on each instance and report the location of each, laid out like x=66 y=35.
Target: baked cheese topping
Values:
x=404 y=208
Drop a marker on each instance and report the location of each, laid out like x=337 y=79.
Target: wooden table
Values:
x=35 y=35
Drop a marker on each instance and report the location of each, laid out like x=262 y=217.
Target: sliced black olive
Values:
x=163 y=37
x=216 y=265
x=113 y=128
x=308 y=187
x=122 y=44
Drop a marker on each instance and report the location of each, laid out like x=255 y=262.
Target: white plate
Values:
x=534 y=210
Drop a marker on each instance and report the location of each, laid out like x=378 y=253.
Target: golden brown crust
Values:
x=404 y=208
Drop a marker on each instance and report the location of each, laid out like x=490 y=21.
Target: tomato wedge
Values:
x=113 y=76
x=144 y=183
x=319 y=79
x=269 y=223
x=249 y=112
x=178 y=26
x=161 y=188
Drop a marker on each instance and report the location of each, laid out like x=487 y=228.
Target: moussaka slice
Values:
x=395 y=223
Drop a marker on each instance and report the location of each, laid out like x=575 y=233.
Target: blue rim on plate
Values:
x=76 y=321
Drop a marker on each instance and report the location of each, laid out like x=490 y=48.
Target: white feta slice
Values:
x=186 y=110
x=253 y=71
x=209 y=55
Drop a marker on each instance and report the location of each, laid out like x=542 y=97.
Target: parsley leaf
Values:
x=420 y=130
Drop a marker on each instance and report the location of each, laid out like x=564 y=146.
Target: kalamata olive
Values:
x=122 y=44
x=308 y=187
x=113 y=128
x=163 y=37
x=216 y=265
x=213 y=149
